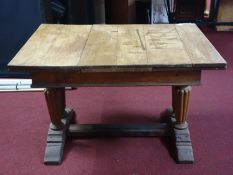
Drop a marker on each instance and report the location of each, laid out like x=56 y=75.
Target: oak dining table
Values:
x=171 y=55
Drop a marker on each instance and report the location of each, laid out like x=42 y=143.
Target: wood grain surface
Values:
x=117 y=47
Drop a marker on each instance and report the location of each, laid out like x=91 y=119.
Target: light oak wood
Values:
x=101 y=46
x=201 y=52
x=113 y=47
x=131 y=45
x=164 y=47
x=53 y=46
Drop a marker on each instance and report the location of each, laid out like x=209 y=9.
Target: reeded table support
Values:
x=61 y=117
x=55 y=98
x=180 y=131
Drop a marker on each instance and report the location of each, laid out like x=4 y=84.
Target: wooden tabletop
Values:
x=117 y=47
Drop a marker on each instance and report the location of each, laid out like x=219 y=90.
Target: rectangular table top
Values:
x=117 y=47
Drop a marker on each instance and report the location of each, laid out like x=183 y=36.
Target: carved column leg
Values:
x=180 y=102
x=55 y=98
x=60 y=121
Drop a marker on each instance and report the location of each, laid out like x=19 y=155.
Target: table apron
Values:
x=76 y=79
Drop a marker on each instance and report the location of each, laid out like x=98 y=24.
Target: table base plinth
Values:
x=56 y=138
x=182 y=143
